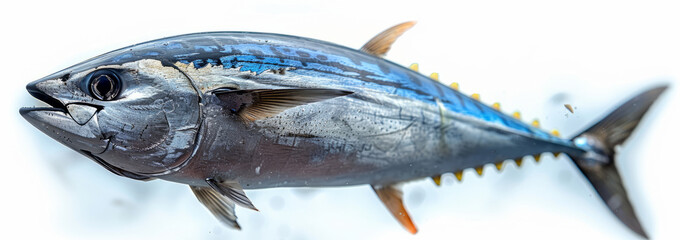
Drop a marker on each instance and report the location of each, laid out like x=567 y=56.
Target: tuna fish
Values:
x=228 y=111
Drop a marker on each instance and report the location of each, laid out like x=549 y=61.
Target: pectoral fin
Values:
x=381 y=43
x=221 y=207
x=392 y=198
x=256 y=104
x=233 y=191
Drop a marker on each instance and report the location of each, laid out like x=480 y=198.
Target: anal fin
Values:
x=233 y=191
x=391 y=197
x=221 y=207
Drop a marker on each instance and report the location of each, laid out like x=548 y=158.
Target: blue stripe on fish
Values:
x=259 y=52
x=402 y=80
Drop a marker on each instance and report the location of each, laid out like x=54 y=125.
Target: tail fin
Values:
x=598 y=163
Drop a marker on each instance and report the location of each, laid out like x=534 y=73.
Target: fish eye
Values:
x=104 y=85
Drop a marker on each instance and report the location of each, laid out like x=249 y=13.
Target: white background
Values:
x=529 y=55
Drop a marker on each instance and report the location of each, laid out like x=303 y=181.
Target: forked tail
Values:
x=598 y=162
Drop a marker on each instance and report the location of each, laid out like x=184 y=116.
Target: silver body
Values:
x=368 y=137
x=396 y=125
x=320 y=115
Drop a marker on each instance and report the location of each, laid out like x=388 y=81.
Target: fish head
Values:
x=140 y=116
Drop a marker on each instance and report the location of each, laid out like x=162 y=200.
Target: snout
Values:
x=73 y=125
x=36 y=92
x=59 y=125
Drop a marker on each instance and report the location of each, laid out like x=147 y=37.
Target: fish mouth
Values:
x=81 y=113
x=74 y=124
x=55 y=104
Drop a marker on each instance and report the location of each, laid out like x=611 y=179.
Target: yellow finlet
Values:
x=414 y=67
x=518 y=161
x=555 y=133
x=479 y=170
x=475 y=96
x=556 y=154
x=434 y=76
x=459 y=175
x=535 y=123
x=499 y=165
x=454 y=85
x=496 y=106
x=437 y=180
x=537 y=157
x=516 y=115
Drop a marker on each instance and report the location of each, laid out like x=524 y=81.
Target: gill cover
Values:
x=153 y=126
x=137 y=118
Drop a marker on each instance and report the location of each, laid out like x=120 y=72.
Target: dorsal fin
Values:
x=391 y=196
x=254 y=104
x=381 y=43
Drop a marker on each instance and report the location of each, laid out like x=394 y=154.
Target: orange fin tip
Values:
x=381 y=43
x=392 y=199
